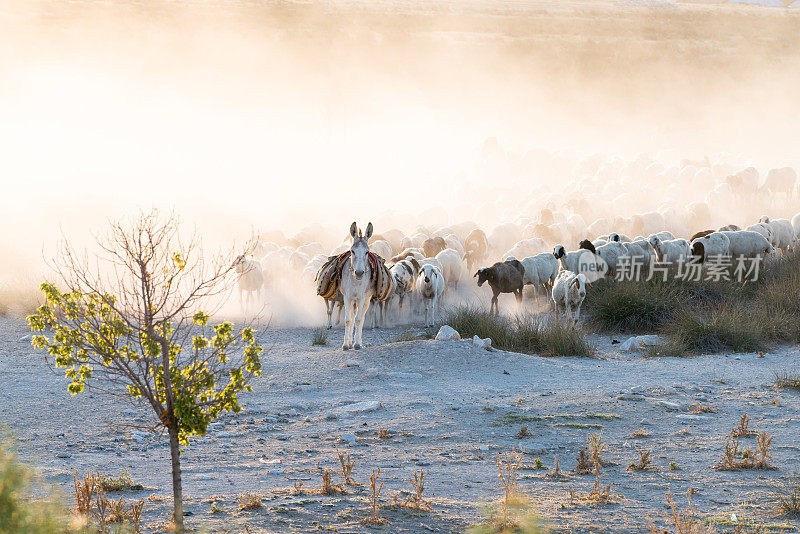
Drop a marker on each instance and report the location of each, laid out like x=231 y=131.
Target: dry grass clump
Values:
x=248 y=501
x=644 y=461
x=627 y=306
x=415 y=500
x=584 y=466
x=320 y=337
x=374 y=499
x=383 y=433
x=524 y=432
x=641 y=434
x=785 y=379
x=734 y=459
x=297 y=487
x=743 y=430
x=682 y=521
x=788 y=497
x=700 y=408
x=508 y=464
x=91 y=500
x=525 y=333
x=348 y=465
x=328 y=487
x=556 y=471
x=596 y=448
x=123 y=482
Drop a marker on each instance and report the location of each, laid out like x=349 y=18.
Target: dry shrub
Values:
x=524 y=432
x=597 y=447
x=682 y=521
x=643 y=463
x=556 y=471
x=374 y=499
x=699 y=408
x=415 y=500
x=348 y=465
x=788 y=497
x=641 y=433
x=328 y=487
x=248 y=501
x=298 y=487
x=584 y=466
x=383 y=433
x=84 y=491
x=785 y=379
x=600 y=494
x=508 y=464
x=743 y=430
x=734 y=459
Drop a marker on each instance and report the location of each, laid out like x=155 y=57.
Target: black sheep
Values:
x=503 y=277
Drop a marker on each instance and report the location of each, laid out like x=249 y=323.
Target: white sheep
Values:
x=526 y=247
x=569 y=291
x=784 y=237
x=540 y=272
x=452 y=266
x=250 y=279
x=764 y=229
x=781 y=180
x=748 y=244
x=429 y=287
x=381 y=248
x=715 y=244
x=670 y=250
x=639 y=251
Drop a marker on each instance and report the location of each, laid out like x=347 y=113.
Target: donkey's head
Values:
x=358 y=252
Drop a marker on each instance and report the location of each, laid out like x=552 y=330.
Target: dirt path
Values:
x=450 y=408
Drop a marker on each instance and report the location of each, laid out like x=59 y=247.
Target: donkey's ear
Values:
x=476 y=273
x=369 y=231
x=353 y=228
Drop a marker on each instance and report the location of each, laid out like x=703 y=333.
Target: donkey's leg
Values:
x=349 y=316
x=360 y=313
x=329 y=309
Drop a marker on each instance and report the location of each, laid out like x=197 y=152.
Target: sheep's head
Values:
x=579 y=285
x=359 y=250
x=587 y=245
x=483 y=275
x=698 y=250
x=613 y=236
x=764 y=219
x=558 y=252
x=655 y=242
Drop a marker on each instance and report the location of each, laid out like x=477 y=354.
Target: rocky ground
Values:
x=449 y=409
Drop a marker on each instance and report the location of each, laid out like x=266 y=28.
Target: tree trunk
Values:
x=177 y=488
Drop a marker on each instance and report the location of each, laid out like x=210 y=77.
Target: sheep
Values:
x=714 y=244
x=433 y=245
x=670 y=250
x=784 y=237
x=569 y=291
x=454 y=243
x=432 y=261
x=610 y=254
x=618 y=238
x=381 y=248
x=639 y=248
x=503 y=277
x=405 y=273
x=730 y=228
x=747 y=244
x=250 y=278
x=476 y=247
x=763 y=229
x=540 y=272
x=430 y=286
x=408 y=253
x=451 y=266
x=663 y=236
x=702 y=233
x=796 y=224
x=781 y=180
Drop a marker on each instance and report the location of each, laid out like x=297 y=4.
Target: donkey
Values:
x=357 y=286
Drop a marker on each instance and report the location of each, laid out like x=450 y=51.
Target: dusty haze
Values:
x=256 y=116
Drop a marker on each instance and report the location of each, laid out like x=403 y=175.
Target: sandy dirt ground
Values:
x=450 y=408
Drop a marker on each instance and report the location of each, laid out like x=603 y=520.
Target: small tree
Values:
x=124 y=319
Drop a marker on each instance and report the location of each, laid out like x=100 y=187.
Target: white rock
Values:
x=483 y=448
x=671 y=406
x=447 y=333
x=691 y=417
x=482 y=343
x=639 y=342
x=350 y=439
x=352 y=363
x=645 y=422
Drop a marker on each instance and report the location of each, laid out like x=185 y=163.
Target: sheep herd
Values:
x=606 y=215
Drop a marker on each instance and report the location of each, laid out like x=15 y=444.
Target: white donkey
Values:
x=357 y=287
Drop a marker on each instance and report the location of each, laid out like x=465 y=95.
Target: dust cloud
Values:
x=250 y=117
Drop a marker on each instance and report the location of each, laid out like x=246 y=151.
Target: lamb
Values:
x=250 y=278
x=671 y=250
x=451 y=266
x=433 y=245
x=569 y=291
x=476 y=247
x=430 y=286
x=503 y=277
x=540 y=272
x=714 y=244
